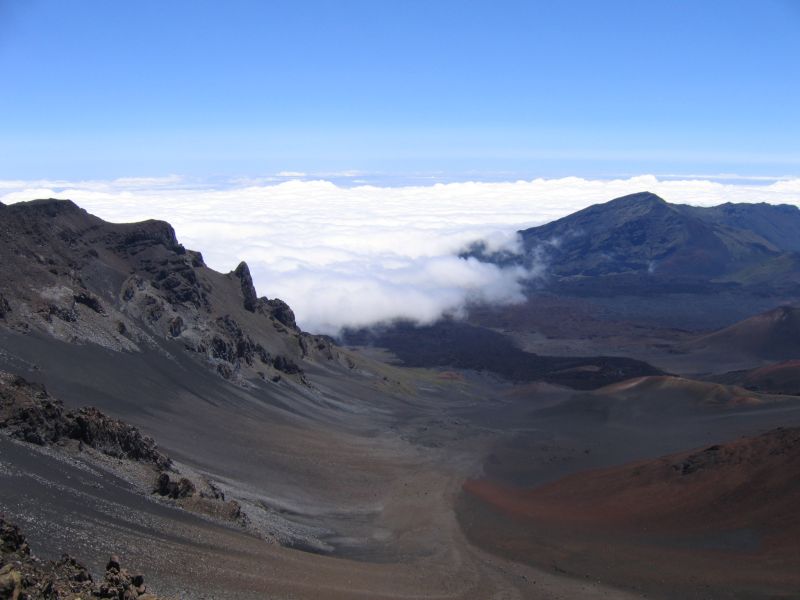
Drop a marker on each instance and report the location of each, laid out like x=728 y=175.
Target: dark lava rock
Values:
x=281 y=311
x=113 y=563
x=176 y=326
x=321 y=344
x=234 y=346
x=12 y=540
x=67 y=315
x=28 y=413
x=248 y=289
x=113 y=437
x=5 y=307
x=286 y=365
x=25 y=577
x=177 y=281
x=146 y=233
x=183 y=488
x=87 y=299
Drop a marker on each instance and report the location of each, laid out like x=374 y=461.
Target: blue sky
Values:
x=449 y=90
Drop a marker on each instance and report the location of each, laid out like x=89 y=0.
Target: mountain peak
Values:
x=640 y=201
x=49 y=207
x=641 y=235
x=639 y=198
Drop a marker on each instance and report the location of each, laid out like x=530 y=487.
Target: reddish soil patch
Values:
x=774 y=334
x=783 y=377
x=716 y=522
x=450 y=376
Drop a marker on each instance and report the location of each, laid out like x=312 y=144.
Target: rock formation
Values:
x=73 y=276
x=30 y=414
x=25 y=577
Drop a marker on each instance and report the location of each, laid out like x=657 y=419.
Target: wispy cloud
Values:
x=344 y=256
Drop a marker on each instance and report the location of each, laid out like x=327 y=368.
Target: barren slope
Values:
x=715 y=522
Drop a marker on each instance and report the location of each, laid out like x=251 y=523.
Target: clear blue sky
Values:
x=99 y=88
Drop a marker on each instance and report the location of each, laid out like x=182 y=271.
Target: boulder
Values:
x=183 y=488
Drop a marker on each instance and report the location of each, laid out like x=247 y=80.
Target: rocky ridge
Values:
x=73 y=276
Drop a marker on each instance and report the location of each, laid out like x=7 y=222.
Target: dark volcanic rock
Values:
x=132 y=237
x=89 y=300
x=248 y=289
x=286 y=365
x=28 y=413
x=23 y=576
x=5 y=307
x=209 y=500
x=281 y=311
x=176 y=280
x=176 y=326
x=113 y=437
x=12 y=540
x=183 y=488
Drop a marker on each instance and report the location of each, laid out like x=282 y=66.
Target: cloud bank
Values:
x=356 y=256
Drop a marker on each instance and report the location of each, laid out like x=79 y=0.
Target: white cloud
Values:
x=147 y=182
x=358 y=255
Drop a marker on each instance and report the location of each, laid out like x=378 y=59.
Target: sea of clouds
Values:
x=357 y=255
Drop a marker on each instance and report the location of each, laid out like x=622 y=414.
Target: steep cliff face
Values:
x=73 y=276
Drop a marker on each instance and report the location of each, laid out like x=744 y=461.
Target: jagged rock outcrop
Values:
x=281 y=311
x=25 y=577
x=182 y=488
x=11 y=540
x=248 y=289
x=29 y=413
x=5 y=307
x=208 y=499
